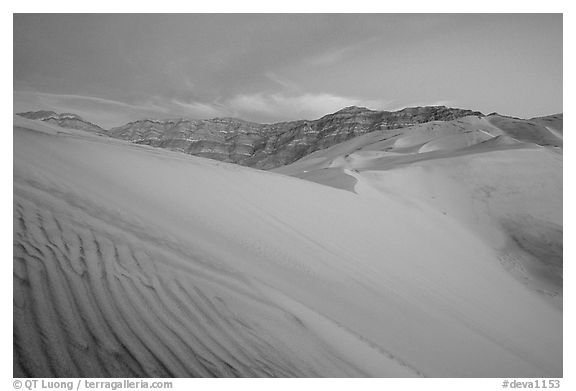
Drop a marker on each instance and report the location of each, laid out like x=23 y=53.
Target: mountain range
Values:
x=268 y=146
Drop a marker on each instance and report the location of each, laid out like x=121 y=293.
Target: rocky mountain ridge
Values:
x=263 y=146
x=64 y=120
x=268 y=146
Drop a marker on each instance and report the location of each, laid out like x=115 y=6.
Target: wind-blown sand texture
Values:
x=434 y=250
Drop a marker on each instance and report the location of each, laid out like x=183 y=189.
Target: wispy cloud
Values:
x=50 y=99
x=201 y=110
x=104 y=112
x=335 y=55
x=259 y=107
x=285 y=83
x=330 y=57
x=109 y=113
x=295 y=106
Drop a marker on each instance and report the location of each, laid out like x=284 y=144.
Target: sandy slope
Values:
x=134 y=261
x=507 y=192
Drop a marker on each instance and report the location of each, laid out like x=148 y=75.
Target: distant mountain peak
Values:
x=353 y=109
x=38 y=115
x=64 y=120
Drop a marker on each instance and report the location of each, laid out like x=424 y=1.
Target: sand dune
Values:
x=402 y=260
x=506 y=191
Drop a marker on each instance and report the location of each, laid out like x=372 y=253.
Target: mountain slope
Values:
x=64 y=120
x=263 y=146
x=269 y=146
x=135 y=261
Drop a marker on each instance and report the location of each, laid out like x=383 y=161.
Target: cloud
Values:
x=201 y=110
x=104 y=112
x=336 y=55
x=110 y=113
x=258 y=107
x=48 y=98
x=330 y=57
x=281 y=106
x=287 y=84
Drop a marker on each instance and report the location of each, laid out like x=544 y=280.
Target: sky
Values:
x=115 y=68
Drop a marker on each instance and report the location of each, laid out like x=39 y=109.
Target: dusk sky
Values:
x=112 y=69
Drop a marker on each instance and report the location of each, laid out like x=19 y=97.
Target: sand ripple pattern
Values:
x=87 y=303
